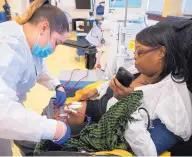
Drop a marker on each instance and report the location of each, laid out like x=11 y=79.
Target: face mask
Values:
x=42 y=52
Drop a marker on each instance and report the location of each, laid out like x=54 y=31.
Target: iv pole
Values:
x=125 y=22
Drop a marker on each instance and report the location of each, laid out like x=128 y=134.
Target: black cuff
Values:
x=58 y=86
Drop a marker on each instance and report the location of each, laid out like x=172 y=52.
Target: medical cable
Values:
x=70 y=77
x=68 y=91
x=66 y=119
x=145 y=21
x=148 y=116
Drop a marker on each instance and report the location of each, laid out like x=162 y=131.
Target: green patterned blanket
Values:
x=107 y=134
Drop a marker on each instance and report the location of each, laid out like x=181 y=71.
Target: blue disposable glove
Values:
x=65 y=137
x=60 y=96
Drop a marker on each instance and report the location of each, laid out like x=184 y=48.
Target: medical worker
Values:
x=23 y=46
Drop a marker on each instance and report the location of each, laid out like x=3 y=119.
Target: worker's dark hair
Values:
x=40 y=10
x=175 y=62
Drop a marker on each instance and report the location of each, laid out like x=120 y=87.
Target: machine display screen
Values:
x=83 y=4
x=121 y=3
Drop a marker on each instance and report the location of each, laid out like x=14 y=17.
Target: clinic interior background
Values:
x=60 y=61
x=167 y=7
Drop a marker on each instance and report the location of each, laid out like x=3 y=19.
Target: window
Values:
x=187 y=7
x=155 y=6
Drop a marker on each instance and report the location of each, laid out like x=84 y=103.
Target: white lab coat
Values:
x=168 y=101
x=19 y=71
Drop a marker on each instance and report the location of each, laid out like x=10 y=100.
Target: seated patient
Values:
x=163 y=73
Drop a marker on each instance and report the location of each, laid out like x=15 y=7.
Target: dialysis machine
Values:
x=123 y=19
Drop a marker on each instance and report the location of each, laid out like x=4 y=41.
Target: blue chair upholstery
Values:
x=162 y=137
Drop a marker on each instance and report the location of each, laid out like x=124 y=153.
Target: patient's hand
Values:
x=67 y=111
x=89 y=95
x=119 y=90
x=76 y=118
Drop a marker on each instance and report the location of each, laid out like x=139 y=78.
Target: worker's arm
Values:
x=46 y=79
x=138 y=137
x=52 y=83
x=18 y=122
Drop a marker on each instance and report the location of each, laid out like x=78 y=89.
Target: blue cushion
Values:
x=3 y=16
x=162 y=137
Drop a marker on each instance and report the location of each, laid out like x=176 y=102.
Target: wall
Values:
x=17 y=6
x=168 y=7
x=187 y=7
x=118 y=12
x=155 y=5
x=2 y=2
x=172 y=7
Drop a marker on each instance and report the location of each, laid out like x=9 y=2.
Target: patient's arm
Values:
x=77 y=118
x=90 y=95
